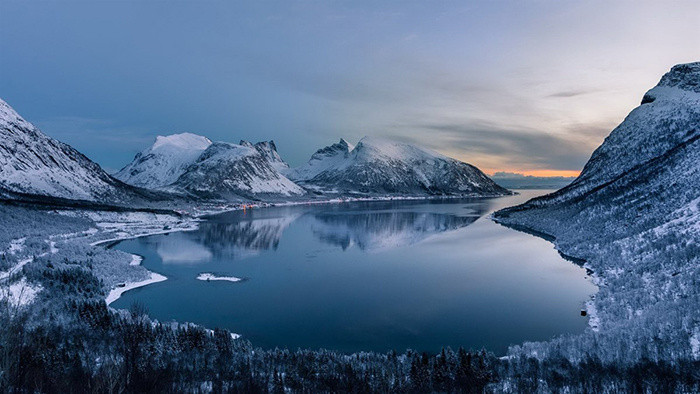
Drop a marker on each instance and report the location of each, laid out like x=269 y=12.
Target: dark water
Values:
x=366 y=276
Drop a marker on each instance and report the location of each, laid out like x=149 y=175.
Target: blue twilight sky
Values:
x=526 y=86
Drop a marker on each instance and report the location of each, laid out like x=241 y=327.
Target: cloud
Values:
x=570 y=93
x=489 y=145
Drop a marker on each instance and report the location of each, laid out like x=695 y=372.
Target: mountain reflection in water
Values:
x=366 y=276
x=368 y=226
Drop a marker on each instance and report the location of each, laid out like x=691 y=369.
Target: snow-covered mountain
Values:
x=232 y=172
x=379 y=166
x=34 y=164
x=192 y=164
x=634 y=215
x=165 y=161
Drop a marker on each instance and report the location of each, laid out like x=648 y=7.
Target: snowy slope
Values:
x=388 y=167
x=325 y=159
x=164 y=162
x=231 y=171
x=633 y=215
x=269 y=150
x=33 y=163
x=668 y=116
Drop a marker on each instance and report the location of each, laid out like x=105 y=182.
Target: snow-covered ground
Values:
x=116 y=226
x=19 y=293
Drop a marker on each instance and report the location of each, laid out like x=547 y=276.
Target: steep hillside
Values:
x=634 y=215
x=269 y=150
x=34 y=165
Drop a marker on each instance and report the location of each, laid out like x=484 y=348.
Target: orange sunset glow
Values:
x=543 y=173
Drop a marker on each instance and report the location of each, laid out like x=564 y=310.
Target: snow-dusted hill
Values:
x=634 y=215
x=231 y=171
x=164 y=162
x=34 y=164
x=379 y=166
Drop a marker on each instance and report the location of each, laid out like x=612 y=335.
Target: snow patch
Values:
x=209 y=276
x=695 y=345
x=16 y=245
x=6 y=274
x=593 y=318
x=20 y=293
x=135 y=259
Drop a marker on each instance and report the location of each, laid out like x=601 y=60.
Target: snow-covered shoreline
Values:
x=134 y=236
x=117 y=292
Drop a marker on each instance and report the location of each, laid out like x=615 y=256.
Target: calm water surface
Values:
x=366 y=276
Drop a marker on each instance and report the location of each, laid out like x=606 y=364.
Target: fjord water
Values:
x=366 y=276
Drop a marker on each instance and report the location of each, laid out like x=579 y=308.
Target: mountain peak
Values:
x=182 y=141
x=683 y=76
x=163 y=162
x=269 y=150
x=9 y=117
x=345 y=144
x=379 y=147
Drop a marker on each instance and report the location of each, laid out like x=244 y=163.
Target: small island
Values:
x=209 y=276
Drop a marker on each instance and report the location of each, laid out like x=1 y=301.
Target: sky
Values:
x=518 y=86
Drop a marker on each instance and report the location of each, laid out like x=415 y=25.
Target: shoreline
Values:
x=340 y=200
x=591 y=311
x=131 y=236
x=117 y=292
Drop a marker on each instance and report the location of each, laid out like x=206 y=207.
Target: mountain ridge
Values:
x=35 y=166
